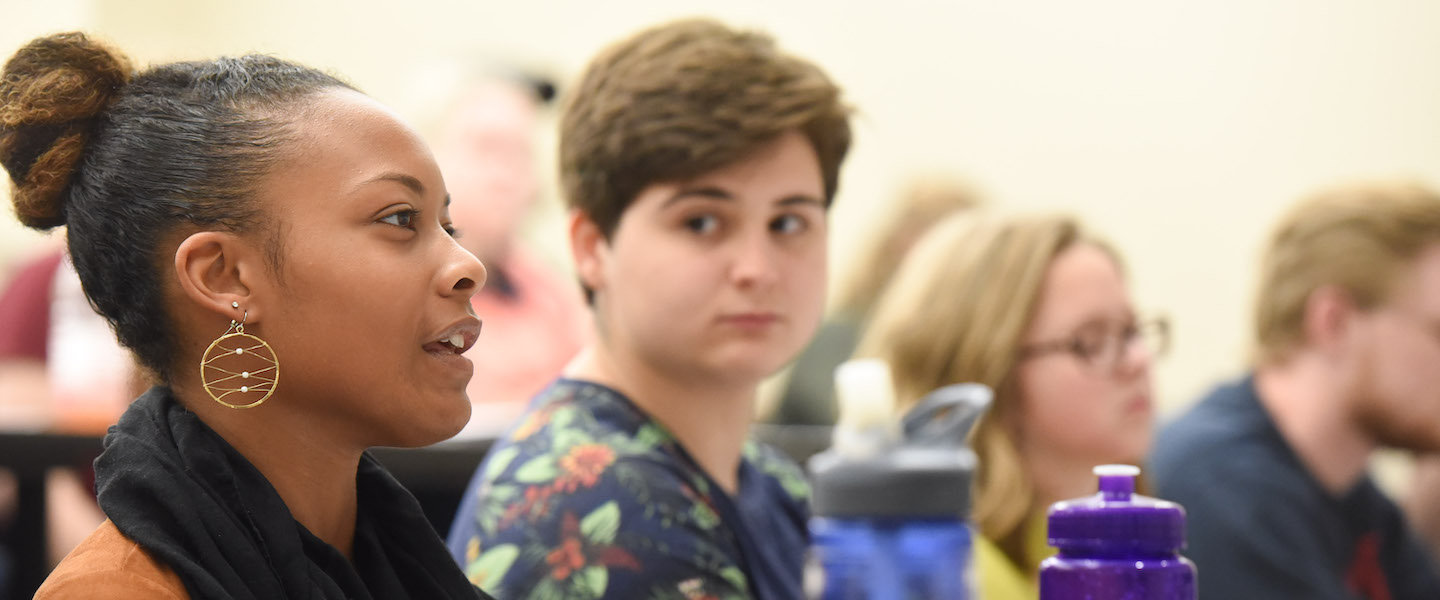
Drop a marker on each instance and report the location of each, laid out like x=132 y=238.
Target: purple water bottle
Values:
x=1117 y=545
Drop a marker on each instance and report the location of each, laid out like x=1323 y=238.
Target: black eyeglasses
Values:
x=1102 y=347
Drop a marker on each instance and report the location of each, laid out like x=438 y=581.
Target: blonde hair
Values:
x=1358 y=237
x=921 y=203
x=957 y=312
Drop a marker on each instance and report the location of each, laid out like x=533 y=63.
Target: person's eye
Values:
x=403 y=218
x=1088 y=346
x=702 y=224
x=789 y=224
x=452 y=231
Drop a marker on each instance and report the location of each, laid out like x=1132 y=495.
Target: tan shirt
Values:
x=109 y=562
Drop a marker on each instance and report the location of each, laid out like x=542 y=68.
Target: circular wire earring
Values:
x=239 y=370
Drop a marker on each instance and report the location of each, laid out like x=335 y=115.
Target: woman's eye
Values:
x=404 y=218
x=1089 y=344
x=788 y=224
x=1087 y=349
x=703 y=224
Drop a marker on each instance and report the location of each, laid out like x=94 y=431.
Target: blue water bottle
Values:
x=891 y=504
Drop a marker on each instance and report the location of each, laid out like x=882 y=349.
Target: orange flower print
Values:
x=576 y=552
x=582 y=466
x=533 y=506
x=566 y=559
x=533 y=423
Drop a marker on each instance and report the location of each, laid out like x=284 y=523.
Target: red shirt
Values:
x=25 y=309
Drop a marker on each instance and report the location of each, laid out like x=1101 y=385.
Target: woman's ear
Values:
x=218 y=271
x=589 y=249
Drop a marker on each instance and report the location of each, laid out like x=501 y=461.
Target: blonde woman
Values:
x=1038 y=310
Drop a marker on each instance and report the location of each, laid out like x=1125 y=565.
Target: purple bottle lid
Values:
x=1117 y=521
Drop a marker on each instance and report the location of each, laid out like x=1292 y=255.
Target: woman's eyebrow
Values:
x=400 y=178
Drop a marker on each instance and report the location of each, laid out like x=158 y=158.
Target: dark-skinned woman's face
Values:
x=371 y=306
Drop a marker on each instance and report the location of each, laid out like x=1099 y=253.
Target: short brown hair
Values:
x=1357 y=236
x=681 y=99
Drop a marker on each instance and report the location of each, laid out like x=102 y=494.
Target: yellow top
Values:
x=999 y=577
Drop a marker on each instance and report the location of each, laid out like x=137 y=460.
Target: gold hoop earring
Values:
x=238 y=365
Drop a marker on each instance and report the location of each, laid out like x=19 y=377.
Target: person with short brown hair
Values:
x=699 y=162
x=1272 y=468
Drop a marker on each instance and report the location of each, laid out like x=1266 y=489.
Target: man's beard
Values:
x=1389 y=428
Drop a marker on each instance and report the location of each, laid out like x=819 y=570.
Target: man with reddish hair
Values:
x=1272 y=468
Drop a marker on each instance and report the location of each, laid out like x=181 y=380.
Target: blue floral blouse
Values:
x=588 y=497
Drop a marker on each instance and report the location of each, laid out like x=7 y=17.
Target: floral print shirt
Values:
x=587 y=497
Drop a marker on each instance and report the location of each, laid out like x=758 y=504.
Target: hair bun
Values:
x=51 y=93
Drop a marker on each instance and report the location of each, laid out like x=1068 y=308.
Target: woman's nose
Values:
x=463 y=274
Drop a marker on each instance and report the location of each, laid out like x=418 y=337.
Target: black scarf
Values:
x=176 y=488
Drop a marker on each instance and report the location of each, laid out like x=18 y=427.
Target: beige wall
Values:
x=1177 y=128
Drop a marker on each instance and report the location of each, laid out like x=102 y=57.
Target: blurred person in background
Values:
x=25 y=340
x=535 y=320
x=700 y=162
x=61 y=370
x=60 y=366
x=1039 y=310
x=809 y=393
x=1272 y=467
x=274 y=248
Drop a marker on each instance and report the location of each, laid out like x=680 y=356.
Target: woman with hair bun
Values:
x=275 y=249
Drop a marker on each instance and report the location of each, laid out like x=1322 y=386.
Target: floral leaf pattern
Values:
x=788 y=474
x=499 y=460
x=537 y=470
x=589 y=498
x=487 y=569
x=599 y=526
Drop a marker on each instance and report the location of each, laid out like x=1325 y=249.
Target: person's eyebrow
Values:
x=707 y=192
x=400 y=178
x=798 y=199
x=715 y=193
x=406 y=180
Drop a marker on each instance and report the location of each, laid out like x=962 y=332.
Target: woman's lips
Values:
x=752 y=320
x=451 y=360
x=1139 y=403
x=449 y=345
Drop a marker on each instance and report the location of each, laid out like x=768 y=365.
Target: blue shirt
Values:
x=1260 y=525
x=588 y=497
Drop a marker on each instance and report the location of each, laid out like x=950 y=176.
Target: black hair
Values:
x=126 y=159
